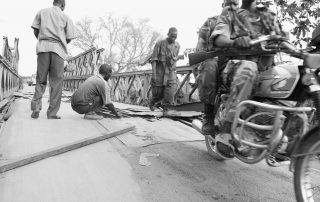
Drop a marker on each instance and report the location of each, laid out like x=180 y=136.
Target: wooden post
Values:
x=59 y=150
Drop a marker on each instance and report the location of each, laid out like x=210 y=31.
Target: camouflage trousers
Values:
x=208 y=81
x=241 y=74
x=164 y=93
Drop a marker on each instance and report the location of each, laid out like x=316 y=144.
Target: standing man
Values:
x=54 y=30
x=93 y=94
x=164 y=78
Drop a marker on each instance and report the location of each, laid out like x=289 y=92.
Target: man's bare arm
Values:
x=154 y=64
x=36 y=32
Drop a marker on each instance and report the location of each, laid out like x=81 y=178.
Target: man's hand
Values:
x=180 y=57
x=36 y=32
x=111 y=107
x=242 y=42
x=69 y=67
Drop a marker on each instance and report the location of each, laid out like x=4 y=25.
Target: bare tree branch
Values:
x=89 y=35
x=127 y=43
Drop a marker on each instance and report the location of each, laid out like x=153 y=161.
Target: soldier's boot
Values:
x=224 y=143
x=208 y=127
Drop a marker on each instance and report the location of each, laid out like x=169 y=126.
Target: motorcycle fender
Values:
x=300 y=142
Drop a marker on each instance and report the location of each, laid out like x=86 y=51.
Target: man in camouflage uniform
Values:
x=236 y=30
x=164 y=78
x=208 y=71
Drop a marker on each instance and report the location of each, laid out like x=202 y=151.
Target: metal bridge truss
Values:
x=131 y=87
x=10 y=81
x=86 y=66
x=134 y=87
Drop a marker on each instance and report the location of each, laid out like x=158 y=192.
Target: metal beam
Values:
x=129 y=87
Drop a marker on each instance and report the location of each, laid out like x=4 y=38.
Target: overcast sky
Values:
x=16 y=17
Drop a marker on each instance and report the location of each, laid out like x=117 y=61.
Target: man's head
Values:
x=229 y=5
x=232 y=4
x=172 y=35
x=105 y=71
x=60 y=3
x=249 y=5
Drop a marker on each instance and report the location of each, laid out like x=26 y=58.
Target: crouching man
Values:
x=93 y=94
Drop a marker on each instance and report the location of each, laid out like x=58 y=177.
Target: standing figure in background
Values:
x=164 y=77
x=54 y=30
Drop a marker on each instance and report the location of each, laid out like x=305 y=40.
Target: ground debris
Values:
x=143 y=158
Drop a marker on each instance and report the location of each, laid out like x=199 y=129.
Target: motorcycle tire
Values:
x=301 y=181
x=210 y=144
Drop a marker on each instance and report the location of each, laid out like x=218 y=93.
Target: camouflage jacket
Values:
x=165 y=55
x=243 y=23
x=204 y=42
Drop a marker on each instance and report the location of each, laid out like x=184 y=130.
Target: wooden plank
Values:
x=4 y=102
x=179 y=114
x=60 y=149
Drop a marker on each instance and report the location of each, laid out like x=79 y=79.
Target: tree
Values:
x=127 y=43
x=88 y=35
x=302 y=14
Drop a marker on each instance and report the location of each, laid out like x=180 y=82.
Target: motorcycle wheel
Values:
x=307 y=172
x=211 y=147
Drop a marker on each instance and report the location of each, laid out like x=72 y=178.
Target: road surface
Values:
x=115 y=170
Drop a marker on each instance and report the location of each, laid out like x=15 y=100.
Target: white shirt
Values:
x=55 y=27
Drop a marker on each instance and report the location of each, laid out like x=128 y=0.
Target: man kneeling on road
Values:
x=93 y=94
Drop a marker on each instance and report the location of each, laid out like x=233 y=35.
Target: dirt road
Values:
x=184 y=171
x=114 y=170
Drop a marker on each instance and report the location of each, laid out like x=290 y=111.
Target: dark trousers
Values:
x=52 y=64
x=82 y=108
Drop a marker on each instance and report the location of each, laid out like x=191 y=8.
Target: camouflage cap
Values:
x=228 y=2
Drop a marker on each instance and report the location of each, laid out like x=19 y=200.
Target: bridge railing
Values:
x=10 y=81
x=129 y=87
x=135 y=87
x=86 y=66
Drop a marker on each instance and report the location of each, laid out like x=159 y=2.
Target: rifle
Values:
x=198 y=57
